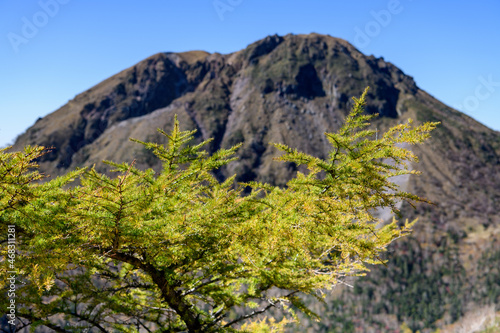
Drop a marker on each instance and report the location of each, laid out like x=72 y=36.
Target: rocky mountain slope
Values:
x=292 y=89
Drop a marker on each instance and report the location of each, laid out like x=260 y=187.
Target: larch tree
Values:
x=181 y=251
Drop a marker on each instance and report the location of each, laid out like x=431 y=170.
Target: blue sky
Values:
x=51 y=50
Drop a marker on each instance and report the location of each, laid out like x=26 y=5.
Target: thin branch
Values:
x=190 y=291
x=255 y=313
x=45 y=323
x=89 y=320
x=142 y=324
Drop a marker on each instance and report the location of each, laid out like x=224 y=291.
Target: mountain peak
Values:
x=311 y=74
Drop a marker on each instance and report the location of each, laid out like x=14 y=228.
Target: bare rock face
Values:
x=291 y=90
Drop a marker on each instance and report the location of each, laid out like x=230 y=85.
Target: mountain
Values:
x=291 y=89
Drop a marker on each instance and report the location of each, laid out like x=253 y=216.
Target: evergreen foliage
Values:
x=180 y=250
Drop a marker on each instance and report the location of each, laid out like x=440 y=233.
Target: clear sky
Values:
x=51 y=50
